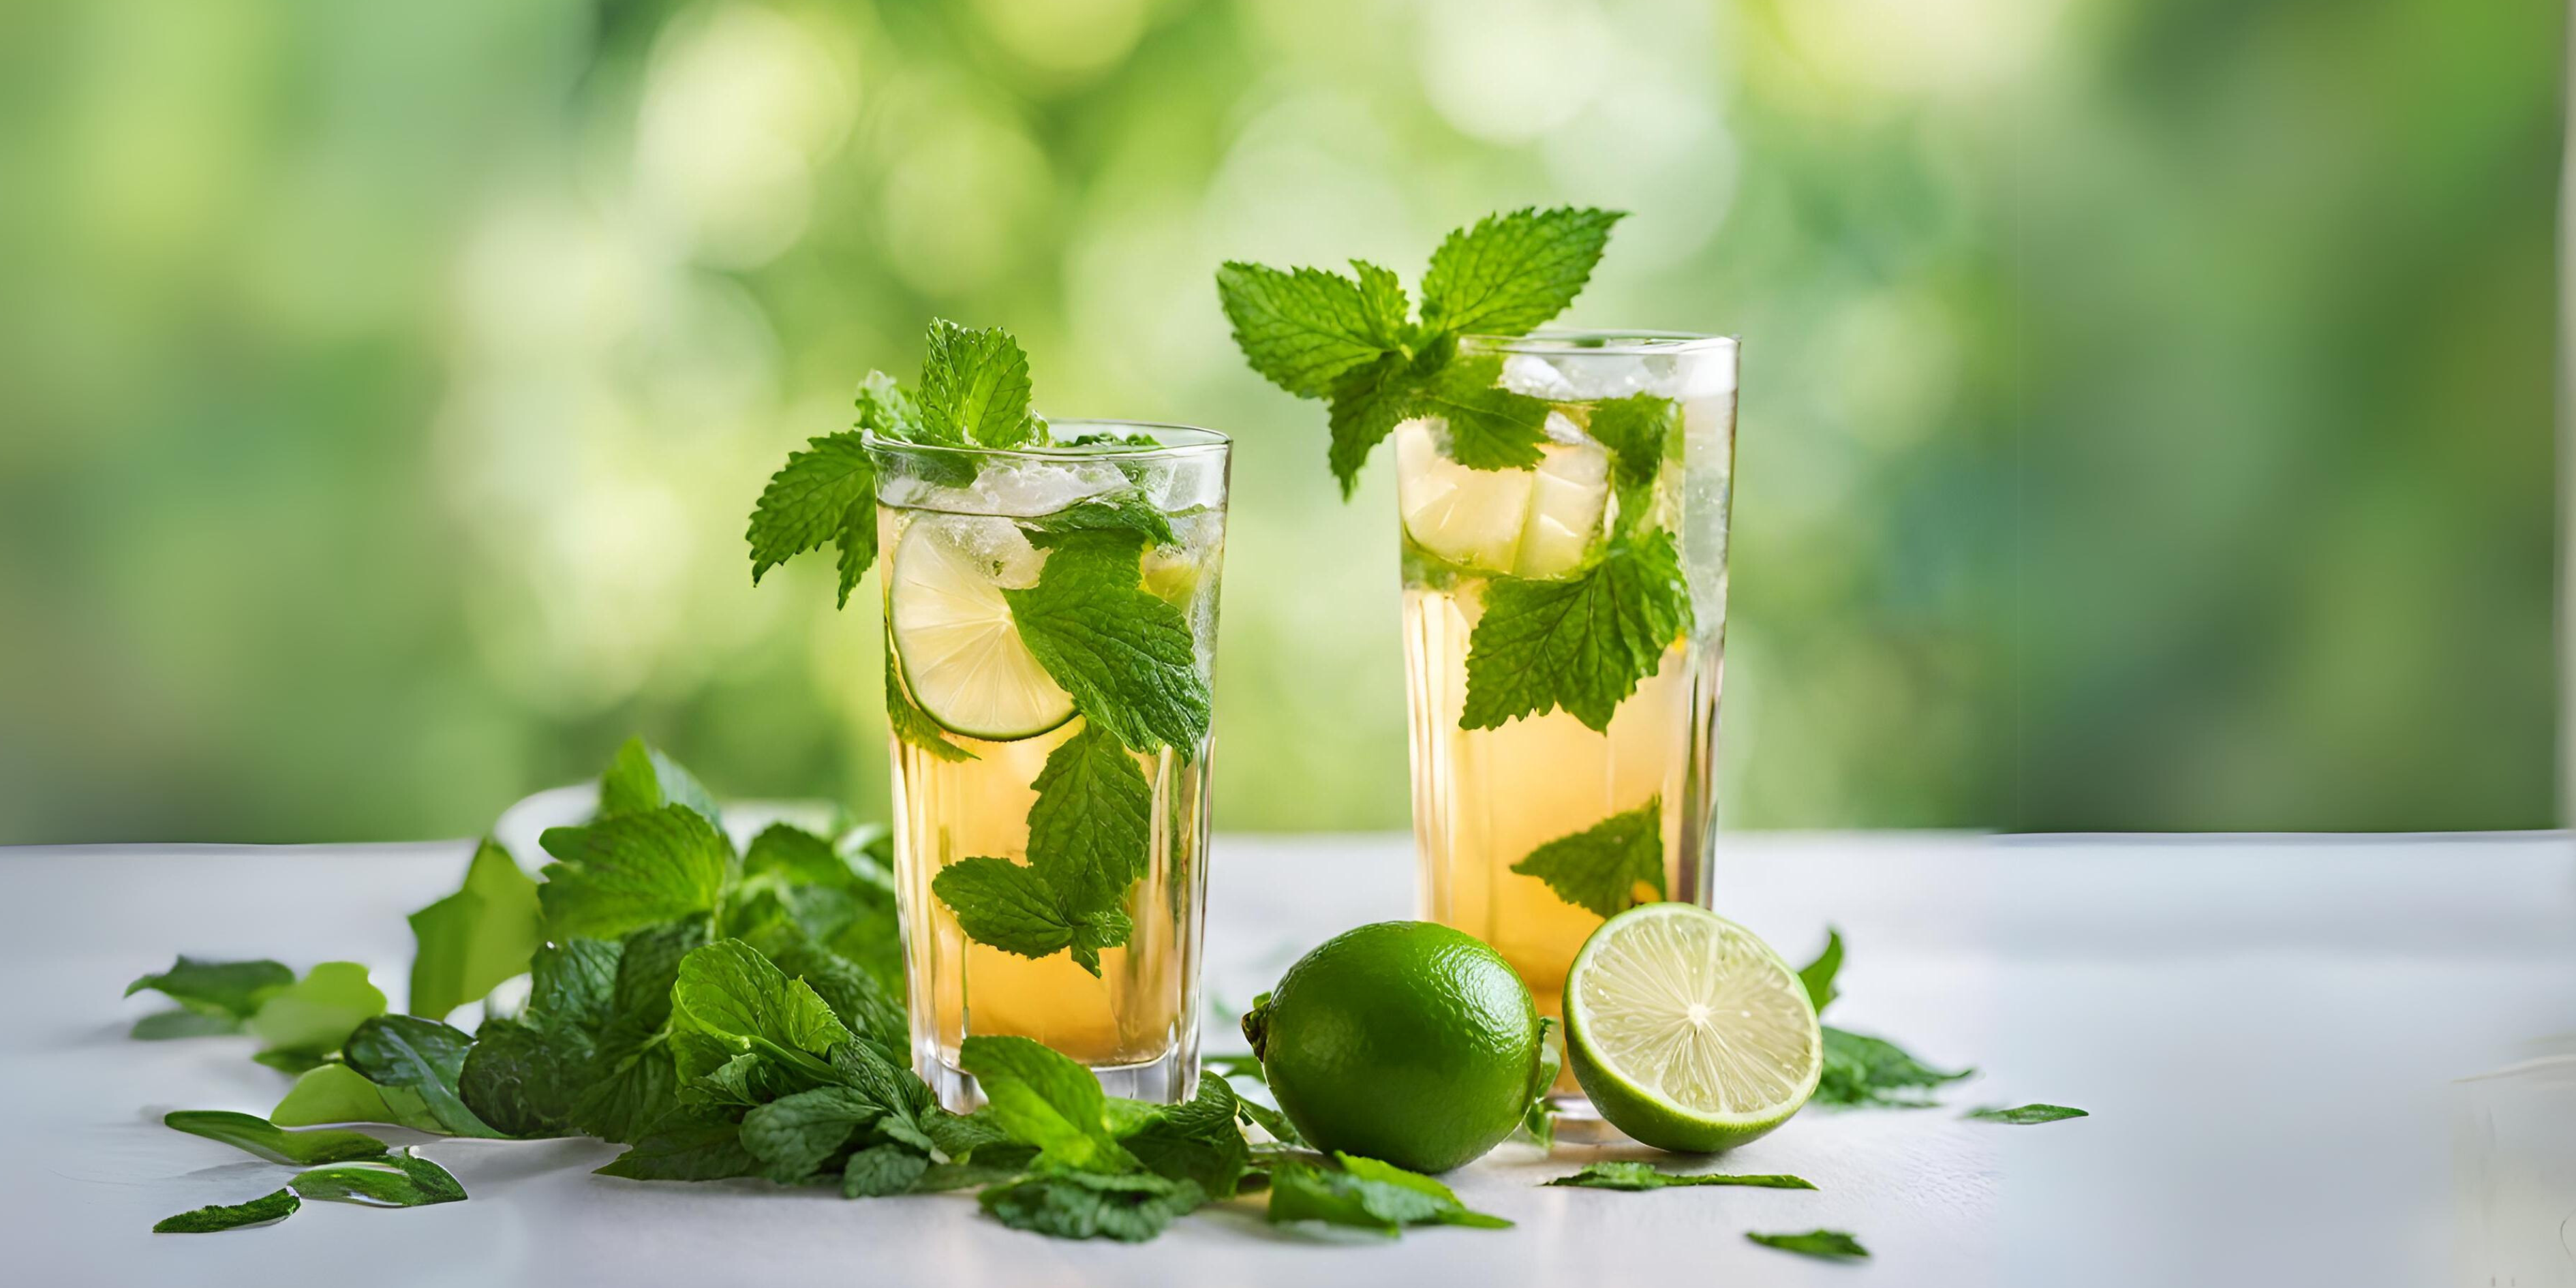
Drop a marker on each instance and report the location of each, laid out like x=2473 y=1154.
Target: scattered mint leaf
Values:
x=1635 y=429
x=2024 y=1115
x=420 y=1056
x=632 y=1085
x=1131 y=1207
x=912 y=724
x=641 y=779
x=525 y=1073
x=686 y=1151
x=1582 y=643
x=1304 y=328
x=1367 y=1194
x=862 y=1005
x=826 y=493
x=1643 y=1176
x=975 y=388
x=311 y=1018
x=792 y=1135
x=1125 y=654
x=1195 y=1141
x=1828 y=1245
x=882 y=1170
x=225 y=993
x=276 y=1206
x=1865 y=1071
x=336 y=1093
x=729 y=993
x=403 y=1179
x=1490 y=428
x=1513 y=272
x=261 y=1137
x=1599 y=868
x=477 y=937
x=1092 y=826
x=1044 y=1099
x=1270 y=1120
x=1818 y=975
x=180 y=1022
x=630 y=871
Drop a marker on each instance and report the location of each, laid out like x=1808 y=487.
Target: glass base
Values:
x=1167 y=1081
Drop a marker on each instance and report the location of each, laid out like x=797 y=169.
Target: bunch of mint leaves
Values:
x=1126 y=655
x=725 y=1014
x=1580 y=643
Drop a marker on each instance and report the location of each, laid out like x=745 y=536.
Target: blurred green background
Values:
x=2146 y=420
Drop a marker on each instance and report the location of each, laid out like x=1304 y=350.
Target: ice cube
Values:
x=1561 y=430
x=1570 y=489
x=1470 y=517
x=1032 y=488
x=995 y=544
x=1528 y=373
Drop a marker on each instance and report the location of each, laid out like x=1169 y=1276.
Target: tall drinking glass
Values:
x=1485 y=800
x=967 y=535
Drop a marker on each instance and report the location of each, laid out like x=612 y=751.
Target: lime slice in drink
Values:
x=961 y=653
x=1688 y=1032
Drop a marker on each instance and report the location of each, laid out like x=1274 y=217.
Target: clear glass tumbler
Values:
x=967 y=535
x=1639 y=451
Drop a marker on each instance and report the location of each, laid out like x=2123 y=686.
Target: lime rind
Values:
x=1687 y=1031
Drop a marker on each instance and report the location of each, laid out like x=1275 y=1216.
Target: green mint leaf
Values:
x=1643 y=1176
x=910 y=1113
x=1828 y=1245
x=276 y=1206
x=1599 y=868
x=2024 y=1115
x=1367 y=403
x=477 y=937
x=627 y=1092
x=1125 y=654
x=880 y=1171
x=1302 y=329
x=686 y=1151
x=1270 y=1120
x=1818 y=975
x=1366 y=1194
x=336 y=1093
x=403 y=1179
x=975 y=388
x=261 y=1137
x=863 y=1005
x=1131 y=1208
x=524 y=1075
x=312 y=1017
x=885 y=409
x=1490 y=428
x=420 y=1056
x=1512 y=272
x=641 y=779
x=630 y=871
x=792 y=1135
x=1121 y=511
x=1635 y=429
x=1004 y=905
x=826 y=493
x=729 y=992
x=1861 y=1071
x=180 y=1022
x=1044 y=1099
x=1582 y=643
x=1092 y=825
x=912 y=724
x=224 y=990
x=1196 y=1141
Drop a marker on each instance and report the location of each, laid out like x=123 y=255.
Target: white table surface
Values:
x=2268 y=1032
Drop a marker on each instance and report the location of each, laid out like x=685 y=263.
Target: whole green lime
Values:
x=1403 y=1041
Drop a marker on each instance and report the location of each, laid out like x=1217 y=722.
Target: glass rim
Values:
x=1172 y=440
x=1557 y=342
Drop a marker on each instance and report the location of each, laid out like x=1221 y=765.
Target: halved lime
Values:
x=961 y=653
x=1688 y=1032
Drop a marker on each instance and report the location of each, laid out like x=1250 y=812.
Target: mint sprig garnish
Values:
x=1319 y=334
x=974 y=391
x=1599 y=868
x=1582 y=643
